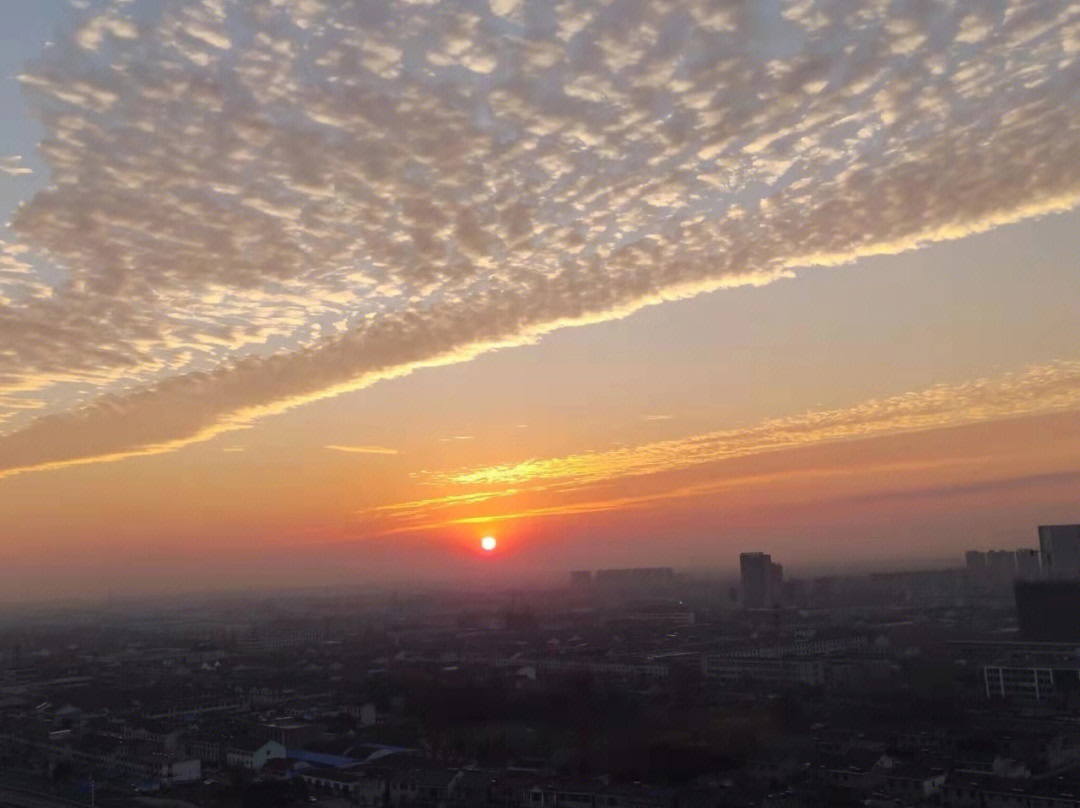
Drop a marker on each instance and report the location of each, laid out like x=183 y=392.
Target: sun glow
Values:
x=488 y=543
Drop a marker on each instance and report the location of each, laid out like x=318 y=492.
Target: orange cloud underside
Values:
x=984 y=465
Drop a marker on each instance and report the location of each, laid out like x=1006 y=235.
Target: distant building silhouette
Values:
x=1004 y=565
x=518 y=616
x=776 y=585
x=975 y=560
x=1002 y=562
x=761 y=580
x=581 y=579
x=616 y=586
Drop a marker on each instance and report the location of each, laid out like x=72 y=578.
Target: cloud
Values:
x=416 y=507
x=376 y=450
x=438 y=513
x=1035 y=391
x=94 y=31
x=12 y=166
x=256 y=204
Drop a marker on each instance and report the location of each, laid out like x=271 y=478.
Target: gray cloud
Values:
x=255 y=204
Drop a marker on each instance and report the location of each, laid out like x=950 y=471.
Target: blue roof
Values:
x=367 y=752
x=321 y=759
x=369 y=749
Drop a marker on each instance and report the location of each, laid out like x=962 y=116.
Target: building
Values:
x=1028 y=567
x=581 y=579
x=1034 y=679
x=913 y=782
x=362 y=789
x=754 y=573
x=431 y=788
x=1048 y=611
x=653 y=613
x=776 y=584
x=761 y=580
x=822 y=646
x=584 y=794
x=1059 y=546
x=780 y=671
x=616 y=586
x=975 y=560
x=290 y=733
x=155 y=770
x=1002 y=563
x=252 y=756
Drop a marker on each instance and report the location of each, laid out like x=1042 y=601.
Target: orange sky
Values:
x=306 y=294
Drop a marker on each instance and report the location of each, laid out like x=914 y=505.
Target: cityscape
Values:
x=635 y=688
x=539 y=403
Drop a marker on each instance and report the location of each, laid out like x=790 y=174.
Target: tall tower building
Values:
x=1059 y=546
x=1002 y=563
x=756 y=576
x=1027 y=564
x=1048 y=611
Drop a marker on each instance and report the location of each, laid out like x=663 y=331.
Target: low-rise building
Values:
x=361 y=789
x=431 y=788
x=1033 y=679
x=767 y=670
x=254 y=756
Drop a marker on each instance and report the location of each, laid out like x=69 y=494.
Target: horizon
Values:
x=478 y=581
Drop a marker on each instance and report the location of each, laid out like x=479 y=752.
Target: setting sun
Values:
x=488 y=543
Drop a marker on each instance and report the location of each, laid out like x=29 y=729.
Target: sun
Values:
x=488 y=543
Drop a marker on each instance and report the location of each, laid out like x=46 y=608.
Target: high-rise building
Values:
x=975 y=560
x=1048 y=611
x=1027 y=564
x=614 y=586
x=1059 y=546
x=757 y=575
x=581 y=579
x=1002 y=563
x=776 y=585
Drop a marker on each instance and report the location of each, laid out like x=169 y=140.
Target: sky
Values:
x=296 y=292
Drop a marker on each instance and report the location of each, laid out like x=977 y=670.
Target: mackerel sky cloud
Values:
x=245 y=206
x=1036 y=391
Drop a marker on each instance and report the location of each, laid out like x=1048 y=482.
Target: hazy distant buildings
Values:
x=616 y=586
x=773 y=670
x=761 y=580
x=754 y=579
x=975 y=560
x=581 y=579
x=1059 y=546
x=636 y=577
x=776 y=584
x=1002 y=562
x=1004 y=565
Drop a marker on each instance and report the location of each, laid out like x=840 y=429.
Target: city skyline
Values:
x=305 y=293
